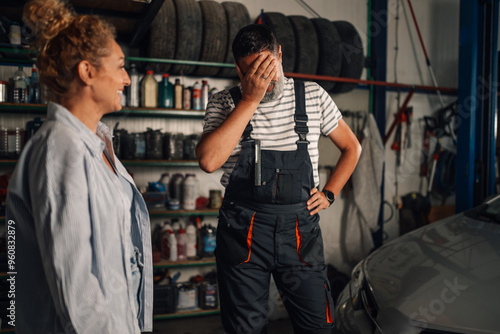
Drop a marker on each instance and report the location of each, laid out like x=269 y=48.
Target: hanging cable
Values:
x=302 y=2
x=396 y=51
x=398 y=94
x=428 y=61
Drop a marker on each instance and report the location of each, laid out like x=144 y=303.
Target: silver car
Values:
x=441 y=278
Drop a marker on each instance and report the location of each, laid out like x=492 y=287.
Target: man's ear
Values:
x=238 y=71
x=279 y=53
x=86 y=72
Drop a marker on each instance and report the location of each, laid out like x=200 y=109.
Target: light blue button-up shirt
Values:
x=73 y=234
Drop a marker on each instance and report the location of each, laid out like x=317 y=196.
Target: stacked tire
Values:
x=318 y=46
x=204 y=31
x=197 y=30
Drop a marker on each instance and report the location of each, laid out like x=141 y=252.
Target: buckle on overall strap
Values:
x=301 y=128
x=300 y=116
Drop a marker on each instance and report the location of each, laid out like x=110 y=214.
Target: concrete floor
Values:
x=210 y=324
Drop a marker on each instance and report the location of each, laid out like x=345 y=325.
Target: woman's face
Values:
x=111 y=80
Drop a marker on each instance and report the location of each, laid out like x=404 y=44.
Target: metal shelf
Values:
x=131 y=163
x=160 y=163
x=209 y=261
x=186 y=314
x=188 y=263
x=8 y=163
x=171 y=213
x=182 y=213
x=127 y=111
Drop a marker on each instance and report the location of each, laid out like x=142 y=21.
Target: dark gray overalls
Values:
x=265 y=228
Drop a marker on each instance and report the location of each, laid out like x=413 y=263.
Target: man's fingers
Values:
x=271 y=71
x=257 y=64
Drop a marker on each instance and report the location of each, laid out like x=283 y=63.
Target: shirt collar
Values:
x=94 y=142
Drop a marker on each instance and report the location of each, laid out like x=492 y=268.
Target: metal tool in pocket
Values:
x=258 y=164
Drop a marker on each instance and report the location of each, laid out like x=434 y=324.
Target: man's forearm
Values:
x=215 y=147
x=343 y=170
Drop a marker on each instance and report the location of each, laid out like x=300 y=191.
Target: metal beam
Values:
x=377 y=29
x=142 y=25
x=477 y=101
x=487 y=99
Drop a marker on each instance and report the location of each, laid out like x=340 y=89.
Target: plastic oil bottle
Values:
x=191 y=241
x=168 y=244
x=149 y=90
x=181 y=245
x=189 y=192
x=166 y=93
x=206 y=241
x=20 y=85
x=196 y=96
x=204 y=94
x=178 y=94
x=34 y=95
x=133 y=89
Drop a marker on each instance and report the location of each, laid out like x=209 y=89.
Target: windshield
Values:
x=489 y=211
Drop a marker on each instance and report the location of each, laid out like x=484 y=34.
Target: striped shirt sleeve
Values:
x=330 y=113
x=218 y=108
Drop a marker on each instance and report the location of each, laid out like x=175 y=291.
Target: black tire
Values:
x=237 y=18
x=283 y=30
x=353 y=59
x=214 y=37
x=330 y=55
x=163 y=35
x=189 y=34
x=306 y=45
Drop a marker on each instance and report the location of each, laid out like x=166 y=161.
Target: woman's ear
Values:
x=86 y=72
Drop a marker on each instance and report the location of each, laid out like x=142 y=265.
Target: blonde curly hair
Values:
x=64 y=39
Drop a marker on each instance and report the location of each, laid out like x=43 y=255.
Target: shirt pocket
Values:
x=234 y=234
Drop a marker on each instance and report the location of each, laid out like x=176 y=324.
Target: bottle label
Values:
x=187 y=299
x=196 y=93
x=187 y=99
x=209 y=243
x=197 y=99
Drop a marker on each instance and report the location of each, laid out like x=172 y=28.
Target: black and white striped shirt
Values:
x=273 y=122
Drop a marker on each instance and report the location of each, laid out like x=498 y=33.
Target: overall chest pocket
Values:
x=279 y=186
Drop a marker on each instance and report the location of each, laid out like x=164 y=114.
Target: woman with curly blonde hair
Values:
x=83 y=252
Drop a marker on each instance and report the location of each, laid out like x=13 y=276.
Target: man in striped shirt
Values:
x=264 y=134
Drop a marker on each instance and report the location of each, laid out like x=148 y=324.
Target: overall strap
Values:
x=236 y=95
x=300 y=115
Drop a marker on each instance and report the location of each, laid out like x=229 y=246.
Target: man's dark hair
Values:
x=253 y=39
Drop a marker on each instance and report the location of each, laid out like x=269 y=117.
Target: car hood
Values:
x=443 y=276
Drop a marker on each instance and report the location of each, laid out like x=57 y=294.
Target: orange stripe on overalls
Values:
x=299 y=241
x=249 y=239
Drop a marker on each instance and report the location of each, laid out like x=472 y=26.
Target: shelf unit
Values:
x=189 y=263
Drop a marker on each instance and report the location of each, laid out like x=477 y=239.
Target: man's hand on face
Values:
x=256 y=73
